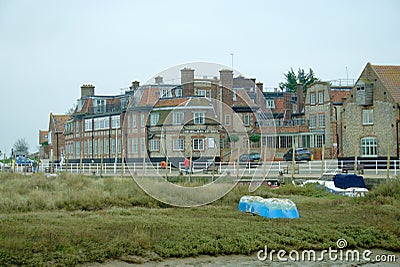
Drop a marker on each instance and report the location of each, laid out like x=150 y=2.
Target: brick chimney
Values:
x=135 y=85
x=187 y=81
x=159 y=80
x=87 y=90
x=300 y=97
x=226 y=78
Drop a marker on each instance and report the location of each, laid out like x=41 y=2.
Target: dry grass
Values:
x=74 y=219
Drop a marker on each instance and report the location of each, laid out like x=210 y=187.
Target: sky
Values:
x=48 y=49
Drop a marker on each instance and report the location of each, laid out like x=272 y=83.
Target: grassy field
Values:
x=69 y=220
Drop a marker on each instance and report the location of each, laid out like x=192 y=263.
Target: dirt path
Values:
x=241 y=260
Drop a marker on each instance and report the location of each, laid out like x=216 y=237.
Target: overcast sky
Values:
x=49 y=48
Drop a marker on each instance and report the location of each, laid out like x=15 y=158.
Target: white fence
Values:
x=312 y=168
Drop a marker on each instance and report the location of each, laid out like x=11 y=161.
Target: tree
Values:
x=21 y=147
x=290 y=85
x=254 y=138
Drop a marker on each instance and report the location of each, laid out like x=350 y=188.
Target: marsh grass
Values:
x=70 y=220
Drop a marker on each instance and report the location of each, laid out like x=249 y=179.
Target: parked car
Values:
x=23 y=161
x=301 y=154
x=253 y=158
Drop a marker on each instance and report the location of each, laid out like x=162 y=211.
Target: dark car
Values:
x=301 y=154
x=254 y=158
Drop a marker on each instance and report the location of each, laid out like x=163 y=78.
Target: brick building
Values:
x=371 y=115
x=52 y=141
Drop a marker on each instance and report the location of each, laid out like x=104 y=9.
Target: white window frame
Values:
x=319 y=140
x=135 y=146
x=368 y=117
x=246 y=119
x=178 y=92
x=166 y=93
x=177 y=117
x=154 y=145
x=234 y=95
x=134 y=124
x=88 y=125
x=321 y=120
x=142 y=123
x=198 y=144
x=313 y=121
x=369 y=146
x=201 y=92
x=178 y=144
x=115 y=122
x=312 y=98
x=270 y=103
x=320 y=97
x=199 y=118
x=227 y=119
x=154 y=117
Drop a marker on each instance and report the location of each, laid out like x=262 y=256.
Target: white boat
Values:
x=351 y=185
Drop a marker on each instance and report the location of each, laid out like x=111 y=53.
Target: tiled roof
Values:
x=390 y=77
x=59 y=122
x=149 y=97
x=338 y=95
x=243 y=99
x=171 y=102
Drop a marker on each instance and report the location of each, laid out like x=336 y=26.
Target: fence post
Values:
x=376 y=167
x=395 y=172
x=220 y=167
x=77 y=168
x=249 y=168
x=105 y=168
x=279 y=166
x=170 y=167
x=97 y=168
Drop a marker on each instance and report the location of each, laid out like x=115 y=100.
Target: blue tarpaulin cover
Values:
x=269 y=207
x=345 y=181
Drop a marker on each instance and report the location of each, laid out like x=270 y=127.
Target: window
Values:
x=321 y=120
x=77 y=126
x=369 y=146
x=134 y=121
x=201 y=92
x=106 y=146
x=270 y=103
x=85 y=148
x=177 y=117
x=321 y=97
x=88 y=125
x=154 y=119
x=198 y=117
x=142 y=145
x=154 y=145
x=368 y=116
x=115 y=122
x=78 y=149
x=227 y=119
x=178 y=144
x=198 y=144
x=246 y=119
x=141 y=120
x=119 y=146
x=134 y=146
x=319 y=140
x=234 y=96
x=102 y=123
x=166 y=93
x=113 y=146
x=178 y=92
x=313 y=121
x=312 y=98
